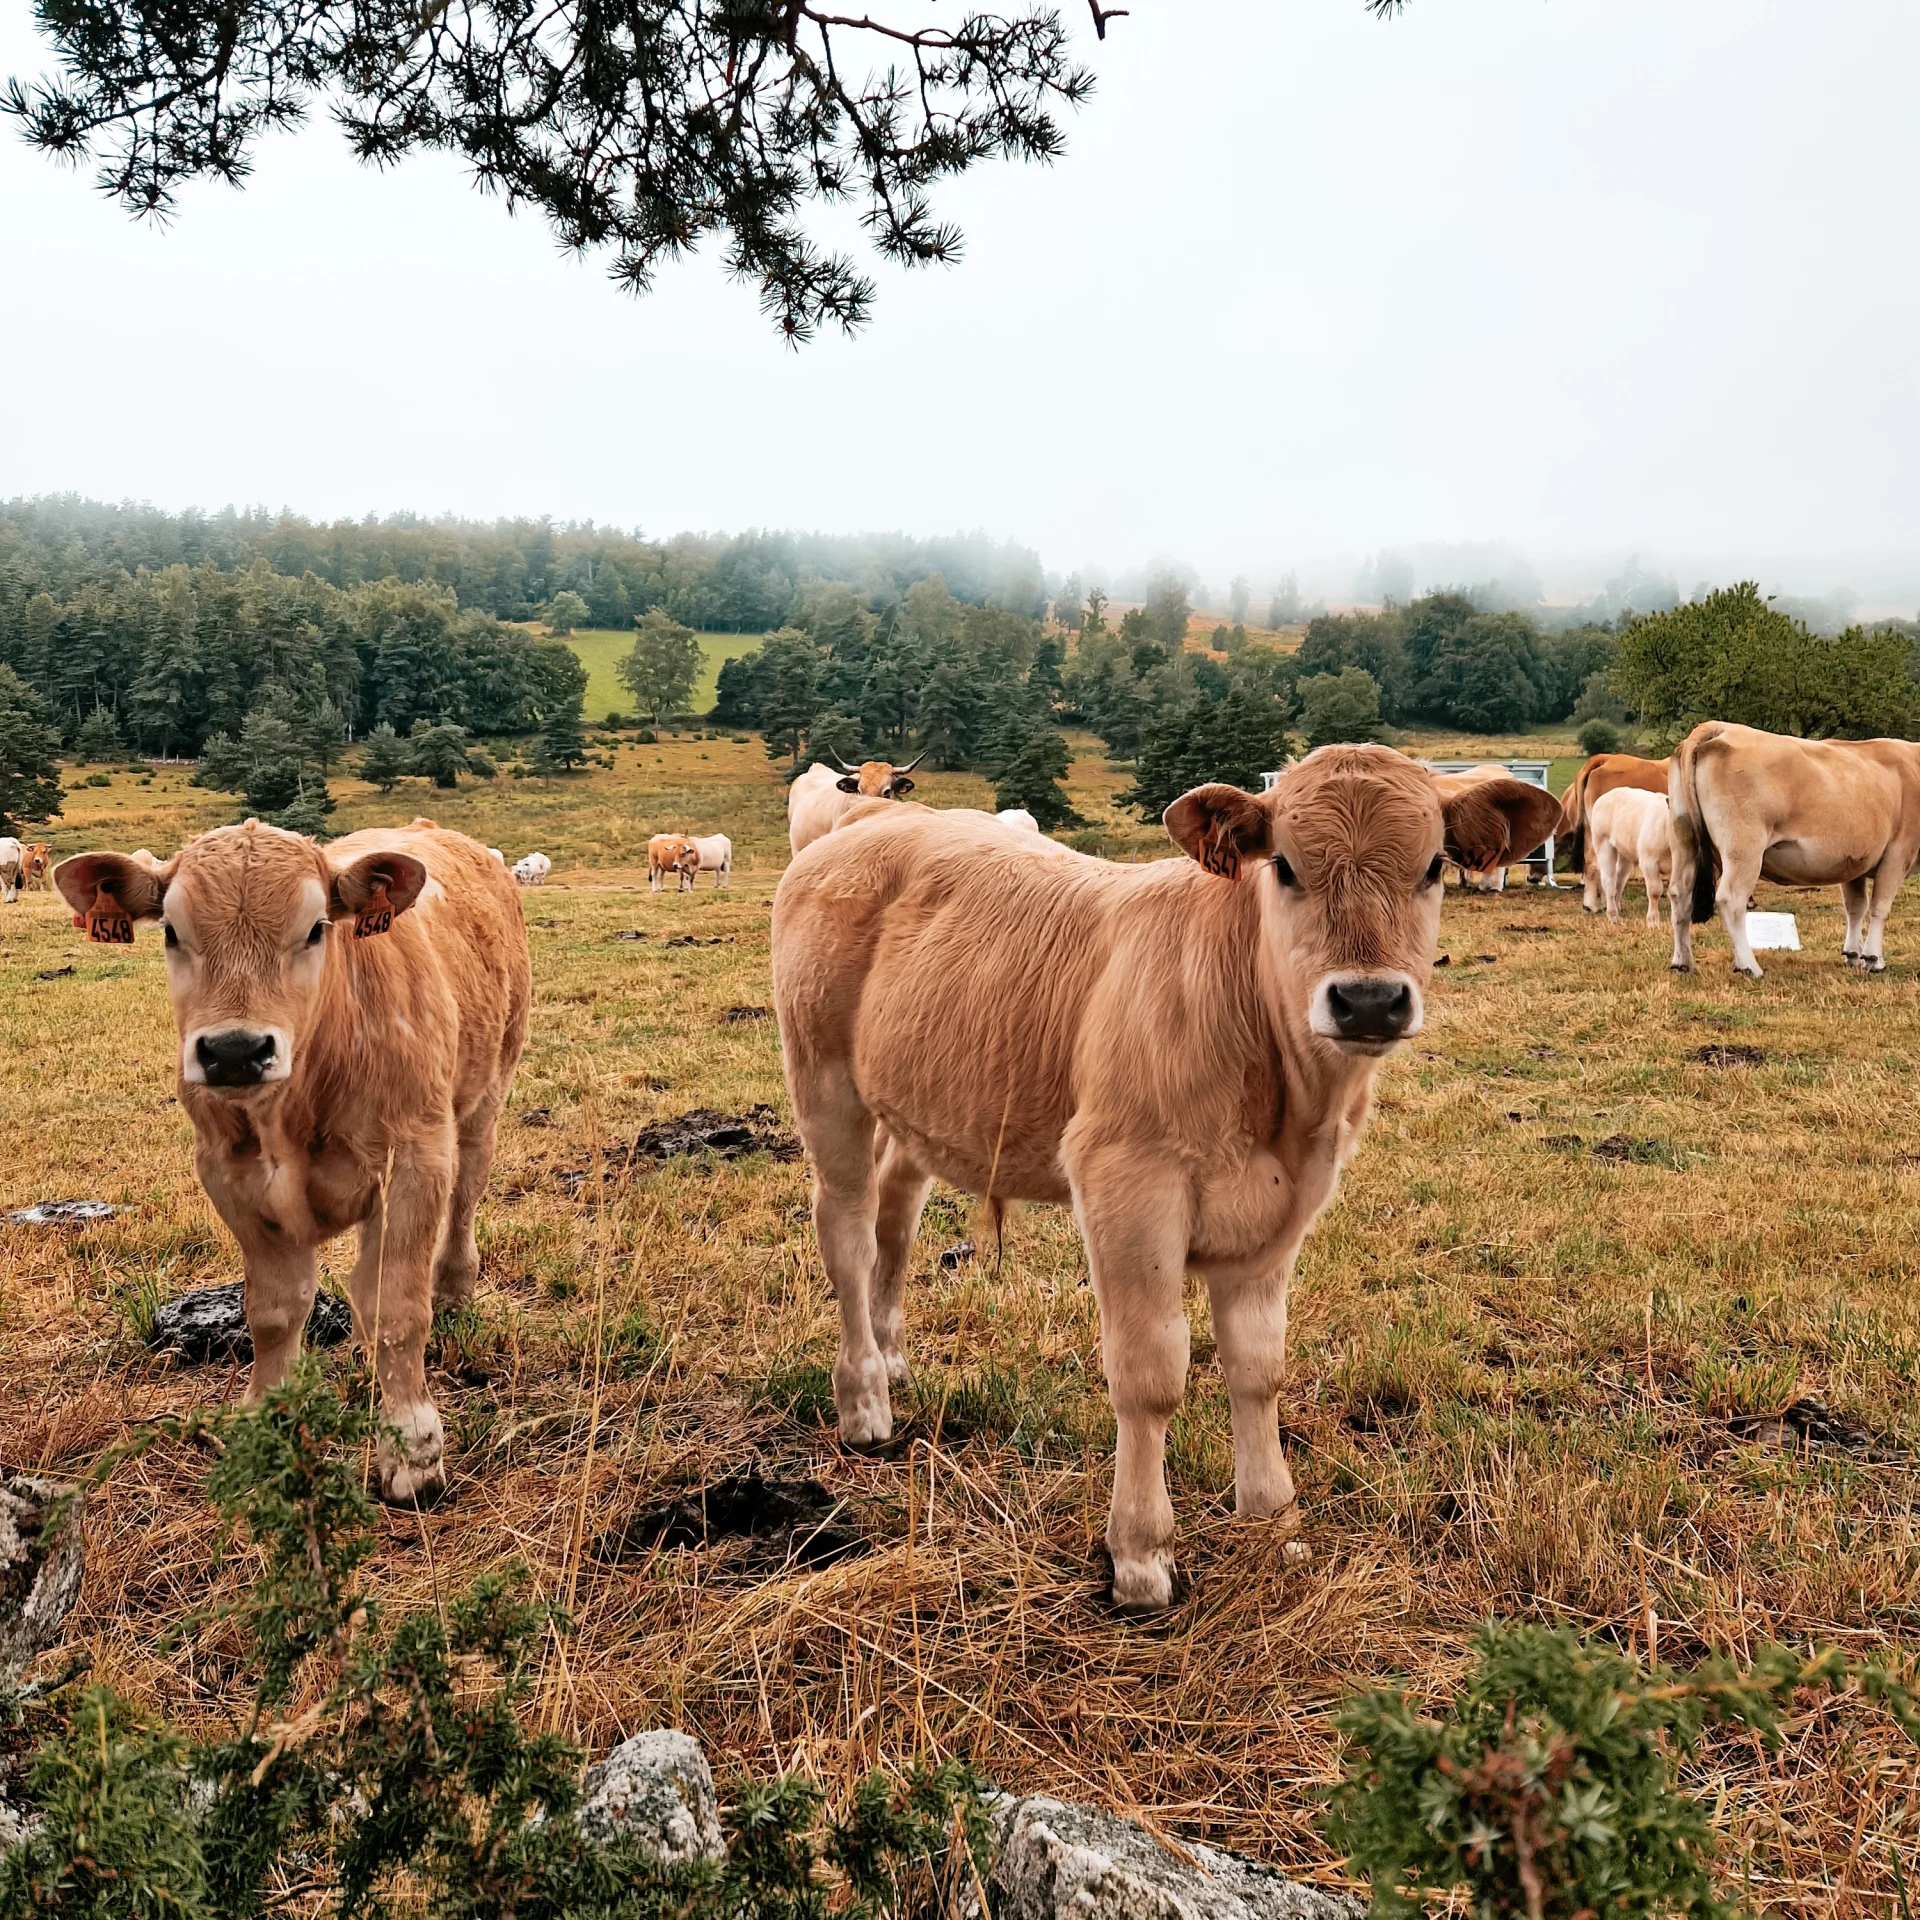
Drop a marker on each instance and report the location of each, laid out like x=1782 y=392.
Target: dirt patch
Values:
x=694 y=940
x=1514 y=926
x=791 y=1522
x=629 y=933
x=54 y=973
x=1730 y=1056
x=1623 y=1149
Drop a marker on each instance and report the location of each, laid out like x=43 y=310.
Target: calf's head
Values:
x=1347 y=851
x=877 y=779
x=250 y=915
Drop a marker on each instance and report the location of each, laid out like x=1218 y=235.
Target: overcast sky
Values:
x=1581 y=276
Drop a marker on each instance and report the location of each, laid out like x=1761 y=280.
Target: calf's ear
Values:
x=1221 y=827
x=1497 y=822
x=136 y=881
x=398 y=875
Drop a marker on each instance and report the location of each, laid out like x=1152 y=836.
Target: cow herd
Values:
x=1733 y=806
x=1183 y=1051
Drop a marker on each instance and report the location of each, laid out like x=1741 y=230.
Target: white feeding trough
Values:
x=1773 y=932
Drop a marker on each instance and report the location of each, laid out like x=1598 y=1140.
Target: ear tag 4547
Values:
x=375 y=917
x=108 y=922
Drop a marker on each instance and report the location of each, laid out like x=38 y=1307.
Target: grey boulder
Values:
x=1053 y=1861
x=656 y=1788
x=40 y=1566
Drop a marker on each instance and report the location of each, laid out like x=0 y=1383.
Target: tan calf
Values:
x=349 y=1019
x=1749 y=806
x=1184 y=1051
x=670 y=854
x=1627 y=829
x=36 y=865
x=1601 y=775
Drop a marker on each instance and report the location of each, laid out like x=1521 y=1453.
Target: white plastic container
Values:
x=1773 y=932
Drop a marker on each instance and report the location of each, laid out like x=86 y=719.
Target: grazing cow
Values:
x=13 y=859
x=532 y=870
x=1018 y=817
x=1600 y=775
x=713 y=853
x=350 y=1017
x=1628 y=829
x=1184 y=1050
x=671 y=853
x=1749 y=806
x=820 y=798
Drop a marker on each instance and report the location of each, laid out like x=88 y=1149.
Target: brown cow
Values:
x=36 y=865
x=350 y=1018
x=1601 y=774
x=1749 y=806
x=671 y=853
x=1184 y=1050
x=820 y=799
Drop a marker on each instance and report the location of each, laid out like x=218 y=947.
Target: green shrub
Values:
x=99 y=780
x=1599 y=736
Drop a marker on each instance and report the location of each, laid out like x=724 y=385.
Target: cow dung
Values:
x=958 y=1256
x=1810 y=1422
x=629 y=933
x=211 y=1324
x=707 y=1130
x=734 y=1015
x=1718 y=1056
x=790 y=1520
x=64 y=1213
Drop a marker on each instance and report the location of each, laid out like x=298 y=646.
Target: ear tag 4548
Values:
x=108 y=922
x=375 y=917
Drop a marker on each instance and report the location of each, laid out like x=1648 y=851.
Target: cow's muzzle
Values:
x=236 y=1057
x=1366 y=1012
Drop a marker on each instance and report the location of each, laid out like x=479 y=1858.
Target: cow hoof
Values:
x=1296 y=1553
x=898 y=1372
x=866 y=1425
x=1675 y=966
x=1143 y=1586
x=411 y=1464
x=1751 y=973
x=1874 y=966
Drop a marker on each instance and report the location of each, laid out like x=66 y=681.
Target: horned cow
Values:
x=671 y=855
x=1749 y=806
x=1184 y=1050
x=821 y=798
x=350 y=1018
x=713 y=853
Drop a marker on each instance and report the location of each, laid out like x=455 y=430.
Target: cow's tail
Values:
x=1683 y=795
x=1573 y=821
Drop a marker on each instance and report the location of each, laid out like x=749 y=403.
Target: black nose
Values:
x=1365 y=1008
x=235 y=1058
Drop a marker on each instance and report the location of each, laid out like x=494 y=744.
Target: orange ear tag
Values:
x=108 y=922
x=1219 y=855
x=375 y=917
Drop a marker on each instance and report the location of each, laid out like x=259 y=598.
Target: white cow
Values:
x=13 y=859
x=533 y=870
x=1018 y=817
x=495 y=853
x=716 y=856
x=1627 y=828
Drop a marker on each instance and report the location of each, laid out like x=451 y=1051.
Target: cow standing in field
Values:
x=1629 y=829
x=1183 y=1050
x=36 y=865
x=1749 y=806
x=350 y=1018
x=1601 y=775
x=532 y=870
x=713 y=853
x=820 y=798
x=671 y=854
x=13 y=860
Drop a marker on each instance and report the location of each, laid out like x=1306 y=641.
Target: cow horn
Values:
x=841 y=764
x=914 y=762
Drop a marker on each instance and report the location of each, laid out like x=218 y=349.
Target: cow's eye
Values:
x=1435 y=870
x=318 y=934
x=173 y=939
x=1283 y=871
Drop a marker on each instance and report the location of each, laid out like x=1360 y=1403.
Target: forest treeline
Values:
x=511 y=569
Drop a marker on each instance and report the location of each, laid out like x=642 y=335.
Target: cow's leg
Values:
x=392 y=1288
x=1886 y=883
x=1590 y=877
x=839 y=1132
x=457 y=1265
x=1680 y=897
x=280 y=1286
x=1613 y=879
x=1739 y=875
x=1137 y=1255
x=1650 y=875
x=903 y=1189
x=1853 y=897
x=1250 y=1335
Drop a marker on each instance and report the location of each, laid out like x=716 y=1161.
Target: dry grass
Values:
x=1518 y=1370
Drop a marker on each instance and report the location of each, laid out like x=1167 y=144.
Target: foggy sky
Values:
x=1573 y=278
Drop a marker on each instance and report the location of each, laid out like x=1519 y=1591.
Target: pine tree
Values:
x=562 y=744
x=1030 y=775
x=387 y=758
x=29 y=779
x=98 y=740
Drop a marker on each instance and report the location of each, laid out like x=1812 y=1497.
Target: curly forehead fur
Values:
x=1350 y=812
x=249 y=876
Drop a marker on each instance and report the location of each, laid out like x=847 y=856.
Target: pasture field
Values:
x=1551 y=1349
x=601 y=649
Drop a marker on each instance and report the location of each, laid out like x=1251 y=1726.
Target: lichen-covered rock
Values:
x=656 y=1788
x=1053 y=1861
x=211 y=1324
x=40 y=1565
